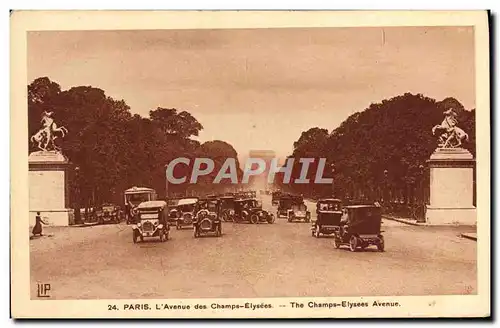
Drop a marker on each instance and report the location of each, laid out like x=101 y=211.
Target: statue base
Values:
x=451 y=187
x=48 y=188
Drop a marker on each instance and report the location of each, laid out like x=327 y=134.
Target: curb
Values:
x=413 y=223
x=468 y=236
x=84 y=225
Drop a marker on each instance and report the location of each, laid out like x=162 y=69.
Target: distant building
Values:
x=260 y=182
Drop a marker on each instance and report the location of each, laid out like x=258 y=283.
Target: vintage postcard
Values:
x=250 y=164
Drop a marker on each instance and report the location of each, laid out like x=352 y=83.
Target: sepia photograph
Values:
x=186 y=168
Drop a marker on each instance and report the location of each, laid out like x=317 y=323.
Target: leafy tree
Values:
x=384 y=146
x=113 y=148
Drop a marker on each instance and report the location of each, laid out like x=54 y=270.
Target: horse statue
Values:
x=47 y=134
x=451 y=135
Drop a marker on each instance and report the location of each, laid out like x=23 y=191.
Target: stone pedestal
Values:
x=48 y=188
x=451 y=187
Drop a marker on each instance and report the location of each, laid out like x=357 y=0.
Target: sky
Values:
x=260 y=88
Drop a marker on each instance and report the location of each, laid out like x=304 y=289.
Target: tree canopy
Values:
x=113 y=148
x=387 y=143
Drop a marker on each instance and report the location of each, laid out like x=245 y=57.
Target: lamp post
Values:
x=421 y=194
x=385 y=195
x=78 y=217
x=332 y=170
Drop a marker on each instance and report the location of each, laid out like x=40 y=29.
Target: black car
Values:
x=109 y=213
x=360 y=228
x=249 y=210
x=275 y=197
x=328 y=216
x=286 y=205
x=207 y=219
x=227 y=207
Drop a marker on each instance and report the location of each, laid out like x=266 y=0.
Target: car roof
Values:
x=187 y=201
x=139 y=189
x=152 y=203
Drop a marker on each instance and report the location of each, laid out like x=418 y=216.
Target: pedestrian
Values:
x=37 y=229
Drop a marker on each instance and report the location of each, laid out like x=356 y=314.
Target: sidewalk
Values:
x=403 y=220
x=463 y=231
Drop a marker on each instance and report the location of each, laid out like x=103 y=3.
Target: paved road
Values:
x=250 y=261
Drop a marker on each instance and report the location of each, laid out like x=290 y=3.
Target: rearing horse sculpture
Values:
x=46 y=135
x=450 y=131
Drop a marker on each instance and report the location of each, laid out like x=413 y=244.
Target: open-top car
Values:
x=227 y=208
x=207 y=219
x=299 y=212
x=250 y=210
x=151 y=221
x=187 y=208
x=328 y=216
x=360 y=228
x=109 y=213
x=133 y=197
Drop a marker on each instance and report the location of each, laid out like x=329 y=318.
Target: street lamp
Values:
x=421 y=196
x=78 y=217
x=332 y=170
x=385 y=196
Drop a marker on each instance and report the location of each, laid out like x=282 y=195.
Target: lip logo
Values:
x=253 y=167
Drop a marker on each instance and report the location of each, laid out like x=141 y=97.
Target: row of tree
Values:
x=384 y=147
x=380 y=151
x=114 y=149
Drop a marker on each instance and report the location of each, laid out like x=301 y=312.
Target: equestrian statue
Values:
x=46 y=136
x=451 y=136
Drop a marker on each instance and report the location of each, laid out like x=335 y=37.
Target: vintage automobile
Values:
x=299 y=212
x=187 y=208
x=227 y=208
x=249 y=210
x=360 y=228
x=275 y=197
x=286 y=203
x=328 y=215
x=207 y=219
x=151 y=221
x=173 y=211
x=133 y=197
x=109 y=213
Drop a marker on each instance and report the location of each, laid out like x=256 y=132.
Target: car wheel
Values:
x=353 y=243
x=336 y=242
x=381 y=245
x=254 y=219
